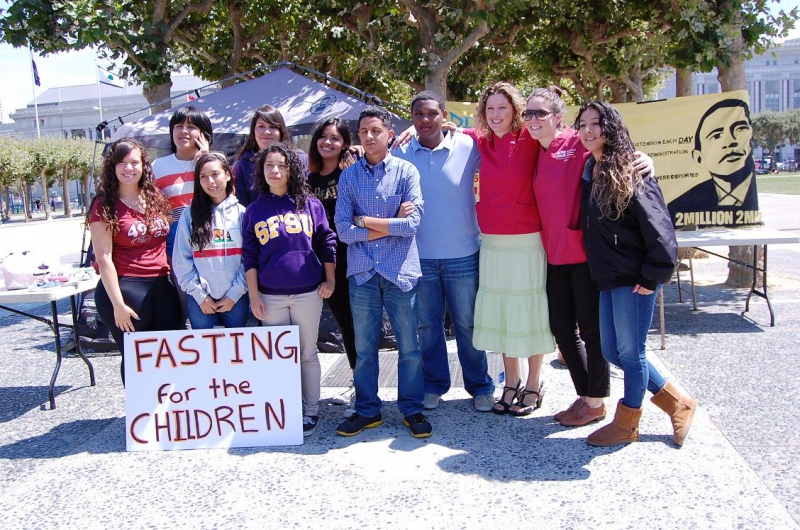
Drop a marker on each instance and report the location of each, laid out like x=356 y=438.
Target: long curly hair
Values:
x=298 y=188
x=513 y=95
x=202 y=206
x=107 y=190
x=314 y=156
x=615 y=181
x=271 y=115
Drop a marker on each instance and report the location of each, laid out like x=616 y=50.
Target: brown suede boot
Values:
x=623 y=430
x=680 y=409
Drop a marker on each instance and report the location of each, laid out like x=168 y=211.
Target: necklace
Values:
x=137 y=205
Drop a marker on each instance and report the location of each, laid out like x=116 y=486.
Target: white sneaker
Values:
x=431 y=401
x=483 y=402
x=351 y=406
x=615 y=372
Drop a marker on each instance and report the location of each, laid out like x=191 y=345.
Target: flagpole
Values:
x=99 y=98
x=33 y=89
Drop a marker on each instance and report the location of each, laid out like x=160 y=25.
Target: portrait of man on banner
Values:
x=723 y=151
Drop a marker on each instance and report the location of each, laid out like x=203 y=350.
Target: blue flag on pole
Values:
x=36 y=79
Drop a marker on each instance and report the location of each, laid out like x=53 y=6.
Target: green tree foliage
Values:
x=23 y=161
x=792 y=124
x=773 y=129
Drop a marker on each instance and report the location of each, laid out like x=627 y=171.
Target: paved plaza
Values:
x=739 y=468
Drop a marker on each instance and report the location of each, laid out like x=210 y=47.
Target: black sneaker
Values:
x=357 y=423
x=419 y=425
x=309 y=425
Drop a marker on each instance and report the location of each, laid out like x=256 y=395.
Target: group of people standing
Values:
x=568 y=244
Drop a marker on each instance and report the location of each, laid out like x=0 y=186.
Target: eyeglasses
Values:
x=540 y=114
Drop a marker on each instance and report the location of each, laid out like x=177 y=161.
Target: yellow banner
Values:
x=702 y=150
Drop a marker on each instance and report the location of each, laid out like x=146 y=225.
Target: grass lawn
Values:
x=784 y=183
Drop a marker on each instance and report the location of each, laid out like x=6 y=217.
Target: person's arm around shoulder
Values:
x=103 y=247
x=655 y=224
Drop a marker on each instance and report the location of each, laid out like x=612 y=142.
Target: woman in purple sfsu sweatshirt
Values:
x=289 y=259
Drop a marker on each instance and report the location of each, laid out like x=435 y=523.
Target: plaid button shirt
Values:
x=378 y=191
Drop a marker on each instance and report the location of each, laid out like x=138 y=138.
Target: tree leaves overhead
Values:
x=615 y=49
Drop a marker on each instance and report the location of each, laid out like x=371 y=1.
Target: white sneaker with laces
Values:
x=309 y=425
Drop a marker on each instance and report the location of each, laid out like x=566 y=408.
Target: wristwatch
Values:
x=360 y=221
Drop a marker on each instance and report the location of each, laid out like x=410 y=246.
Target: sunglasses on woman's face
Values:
x=540 y=114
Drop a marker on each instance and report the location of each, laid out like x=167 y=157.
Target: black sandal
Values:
x=526 y=410
x=506 y=405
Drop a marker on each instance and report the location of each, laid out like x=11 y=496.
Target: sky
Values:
x=78 y=68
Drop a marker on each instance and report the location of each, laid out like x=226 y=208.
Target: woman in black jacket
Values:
x=632 y=252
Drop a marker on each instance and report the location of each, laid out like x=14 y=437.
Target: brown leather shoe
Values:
x=680 y=409
x=584 y=416
x=623 y=430
x=569 y=410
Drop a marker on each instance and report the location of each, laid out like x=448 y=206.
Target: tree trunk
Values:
x=437 y=81
x=618 y=91
x=683 y=82
x=158 y=93
x=65 y=193
x=45 y=198
x=25 y=191
x=732 y=77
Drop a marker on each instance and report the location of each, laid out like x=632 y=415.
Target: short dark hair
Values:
x=194 y=116
x=374 y=111
x=725 y=103
x=429 y=95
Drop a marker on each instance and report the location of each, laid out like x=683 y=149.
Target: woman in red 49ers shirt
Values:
x=129 y=223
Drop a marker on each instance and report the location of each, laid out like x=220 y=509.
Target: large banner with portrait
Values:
x=701 y=146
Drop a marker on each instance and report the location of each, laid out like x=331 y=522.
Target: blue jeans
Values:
x=235 y=318
x=625 y=319
x=453 y=282
x=367 y=302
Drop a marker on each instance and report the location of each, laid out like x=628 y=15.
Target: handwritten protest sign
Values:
x=234 y=387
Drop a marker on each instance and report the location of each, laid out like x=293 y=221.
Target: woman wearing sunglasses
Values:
x=572 y=294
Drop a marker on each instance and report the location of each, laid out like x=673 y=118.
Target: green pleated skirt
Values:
x=511 y=308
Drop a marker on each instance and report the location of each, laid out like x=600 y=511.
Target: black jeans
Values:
x=154 y=300
x=574 y=304
x=339 y=304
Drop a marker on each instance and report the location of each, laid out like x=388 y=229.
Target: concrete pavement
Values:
x=67 y=468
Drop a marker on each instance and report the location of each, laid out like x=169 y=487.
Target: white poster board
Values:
x=234 y=387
